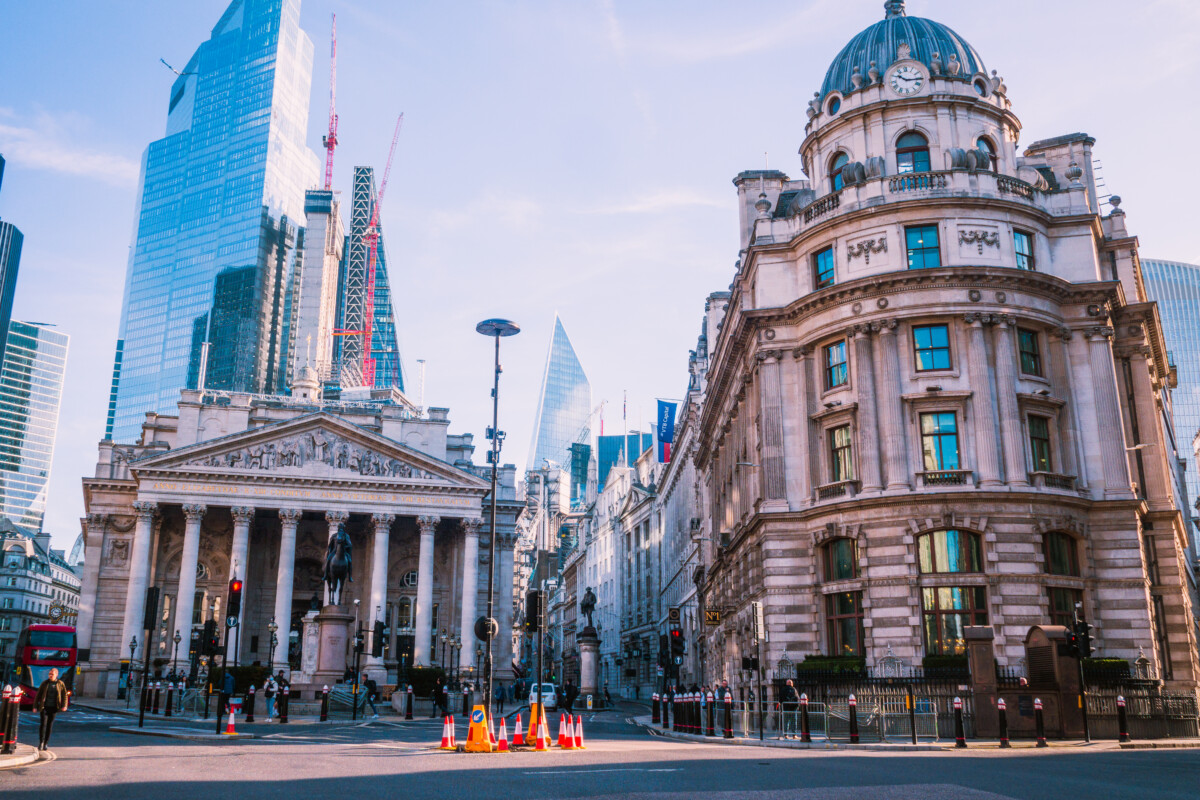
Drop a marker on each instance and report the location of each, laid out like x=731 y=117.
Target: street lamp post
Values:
x=175 y=656
x=129 y=674
x=444 y=654
x=496 y=328
x=273 y=627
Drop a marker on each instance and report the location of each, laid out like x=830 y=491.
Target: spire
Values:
x=893 y=8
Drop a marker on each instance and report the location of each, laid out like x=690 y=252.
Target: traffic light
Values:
x=1070 y=645
x=234 y=607
x=533 y=611
x=358 y=639
x=1083 y=638
x=210 y=640
x=377 y=639
x=677 y=644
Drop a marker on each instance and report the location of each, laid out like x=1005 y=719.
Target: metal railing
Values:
x=881 y=719
x=946 y=477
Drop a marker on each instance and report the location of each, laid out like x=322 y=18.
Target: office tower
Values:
x=564 y=404
x=11 y=240
x=31 y=381
x=220 y=216
x=613 y=450
x=315 y=294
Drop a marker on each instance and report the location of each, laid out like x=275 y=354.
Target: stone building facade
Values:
x=37 y=586
x=254 y=487
x=940 y=396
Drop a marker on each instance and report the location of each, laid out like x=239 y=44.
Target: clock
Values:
x=906 y=80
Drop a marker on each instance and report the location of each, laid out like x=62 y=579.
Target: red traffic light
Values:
x=235 y=585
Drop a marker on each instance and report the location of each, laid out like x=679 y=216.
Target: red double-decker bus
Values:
x=39 y=649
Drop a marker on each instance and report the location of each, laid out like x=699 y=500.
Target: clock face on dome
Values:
x=906 y=80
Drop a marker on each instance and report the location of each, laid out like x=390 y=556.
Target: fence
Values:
x=887 y=699
x=880 y=719
x=1151 y=714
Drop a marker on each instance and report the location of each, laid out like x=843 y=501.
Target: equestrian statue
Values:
x=338 y=564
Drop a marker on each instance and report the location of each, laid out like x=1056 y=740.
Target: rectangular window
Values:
x=1039 y=443
x=836 y=373
x=1031 y=353
x=1062 y=605
x=1023 y=244
x=922 y=244
x=841 y=454
x=947 y=610
x=932 y=346
x=823 y=268
x=844 y=620
x=939 y=441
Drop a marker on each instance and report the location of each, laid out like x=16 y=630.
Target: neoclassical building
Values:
x=253 y=487
x=940 y=396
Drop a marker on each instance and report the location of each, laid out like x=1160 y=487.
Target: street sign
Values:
x=678 y=660
x=658 y=671
x=231 y=621
x=712 y=616
x=673 y=614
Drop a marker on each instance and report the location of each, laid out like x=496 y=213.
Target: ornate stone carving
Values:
x=292 y=515
x=974 y=317
x=144 y=508
x=337 y=517
x=1098 y=332
x=881 y=303
x=242 y=513
x=902 y=51
x=96 y=522
x=979 y=238
x=974 y=295
x=117 y=554
x=472 y=525
x=865 y=247
x=313 y=446
x=194 y=512
x=426 y=524
x=382 y=520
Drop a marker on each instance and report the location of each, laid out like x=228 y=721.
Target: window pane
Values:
x=1023 y=244
x=1031 y=355
x=922 y=245
x=823 y=265
x=932 y=345
x=1039 y=443
x=836 y=373
x=840 y=559
x=1060 y=555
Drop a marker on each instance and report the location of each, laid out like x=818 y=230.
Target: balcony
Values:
x=840 y=489
x=918 y=181
x=1052 y=480
x=946 y=477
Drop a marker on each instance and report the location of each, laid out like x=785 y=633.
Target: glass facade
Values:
x=610 y=450
x=31 y=382
x=564 y=404
x=219 y=219
x=11 y=240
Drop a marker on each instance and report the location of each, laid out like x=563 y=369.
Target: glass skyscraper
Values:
x=31 y=382
x=612 y=449
x=220 y=219
x=11 y=240
x=564 y=405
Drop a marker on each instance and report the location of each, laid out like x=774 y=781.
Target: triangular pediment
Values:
x=316 y=445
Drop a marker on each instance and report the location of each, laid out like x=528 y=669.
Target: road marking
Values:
x=567 y=771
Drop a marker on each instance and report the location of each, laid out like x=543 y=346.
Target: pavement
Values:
x=380 y=758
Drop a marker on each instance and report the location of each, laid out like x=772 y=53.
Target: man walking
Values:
x=269 y=690
x=370 y=689
x=791 y=703
x=500 y=696
x=51 y=698
x=570 y=692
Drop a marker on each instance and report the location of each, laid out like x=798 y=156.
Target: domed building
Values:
x=940 y=397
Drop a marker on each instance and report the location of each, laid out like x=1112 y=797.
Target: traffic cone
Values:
x=229 y=731
x=579 y=733
x=453 y=736
x=570 y=740
x=447 y=734
x=491 y=731
x=562 y=730
x=502 y=744
x=542 y=736
x=518 y=734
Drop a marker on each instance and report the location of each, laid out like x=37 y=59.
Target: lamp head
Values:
x=498 y=327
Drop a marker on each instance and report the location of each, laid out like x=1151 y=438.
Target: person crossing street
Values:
x=51 y=698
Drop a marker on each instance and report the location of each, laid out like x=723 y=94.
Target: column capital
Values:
x=290 y=515
x=763 y=356
x=96 y=522
x=242 y=513
x=194 y=512
x=1098 y=333
x=384 y=520
x=1064 y=333
x=145 y=508
x=471 y=525
x=861 y=330
x=803 y=351
x=333 y=517
x=1004 y=320
x=426 y=524
x=977 y=318
x=887 y=326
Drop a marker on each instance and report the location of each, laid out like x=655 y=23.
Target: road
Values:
x=383 y=759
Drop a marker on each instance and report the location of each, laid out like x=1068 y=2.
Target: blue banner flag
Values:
x=665 y=430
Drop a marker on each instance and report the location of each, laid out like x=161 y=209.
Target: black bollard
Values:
x=654 y=720
x=283 y=704
x=250 y=704
x=1040 y=722
x=912 y=713
x=960 y=737
x=728 y=715
x=408 y=702
x=675 y=706
x=853 y=704
x=466 y=703
x=1122 y=719
x=5 y=709
x=712 y=715
x=154 y=703
x=694 y=715
x=170 y=699
x=324 y=704
x=14 y=718
x=207 y=698
x=805 y=730
x=1003 y=710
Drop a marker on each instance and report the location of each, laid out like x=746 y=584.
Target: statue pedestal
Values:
x=334 y=631
x=310 y=643
x=589 y=664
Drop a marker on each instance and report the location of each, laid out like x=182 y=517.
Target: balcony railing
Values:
x=945 y=477
x=1053 y=480
x=918 y=181
x=1010 y=185
x=831 y=491
x=823 y=206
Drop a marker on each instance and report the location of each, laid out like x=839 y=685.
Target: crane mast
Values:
x=372 y=238
x=330 y=139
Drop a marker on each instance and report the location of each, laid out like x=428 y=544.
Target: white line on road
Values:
x=567 y=771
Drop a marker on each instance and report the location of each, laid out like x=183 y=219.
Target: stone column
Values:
x=502 y=652
x=185 y=596
x=470 y=589
x=808 y=480
x=239 y=563
x=891 y=412
x=424 y=613
x=285 y=578
x=868 y=427
x=93 y=548
x=1108 y=414
x=1012 y=434
x=1060 y=366
x=381 y=529
x=983 y=410
x=139 y=578
x=771 y=399
x=334 y=519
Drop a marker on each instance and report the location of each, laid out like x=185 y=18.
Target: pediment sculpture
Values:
x=319 y=446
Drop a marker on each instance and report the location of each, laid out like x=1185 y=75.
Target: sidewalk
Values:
x=117 y=707
x=939 y=746
x=26 y=754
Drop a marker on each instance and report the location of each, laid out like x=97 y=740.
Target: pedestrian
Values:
x=51 y=698
x=607 y=696
x=791 y=704
x=501 y=695
x=570 y=693
x=283 y=683
x=269 y=690
x=370 y=689
x=439 y=699
x=723 y=689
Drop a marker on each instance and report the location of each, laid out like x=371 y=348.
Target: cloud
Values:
x=661 y=200
x=47 y=143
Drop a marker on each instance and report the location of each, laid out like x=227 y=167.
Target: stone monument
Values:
x=589 y=647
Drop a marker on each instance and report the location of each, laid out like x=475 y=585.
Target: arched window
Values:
x=835 y=105
x=949 y=551
x=985 y=144
x=835 y=170
x=1061 y=554
x=841 y=559
x=912 y=153
x=404 y=617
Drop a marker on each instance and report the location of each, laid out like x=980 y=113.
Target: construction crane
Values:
x=330 y=139
x=372 y=238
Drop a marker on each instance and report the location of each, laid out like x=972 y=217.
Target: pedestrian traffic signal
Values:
x=210 y=642
x=678 y=647
x=234 y=608
x=377 y=639
x=1083 y=638
x=533 y=611
x=1070 y=644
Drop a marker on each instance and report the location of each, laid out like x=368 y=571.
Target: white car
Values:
x=549 y=695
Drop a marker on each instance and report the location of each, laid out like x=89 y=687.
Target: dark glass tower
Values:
x=11 y=240
x=219 y=215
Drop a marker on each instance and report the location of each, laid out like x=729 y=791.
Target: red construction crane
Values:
x=330 y=139
x=372 y=238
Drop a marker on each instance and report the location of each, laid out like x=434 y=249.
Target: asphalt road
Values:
x=383 y=759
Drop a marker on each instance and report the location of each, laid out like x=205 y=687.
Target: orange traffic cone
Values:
x=447 y=735
x=229 y=725
x=491 y=730
x=570 y=740
x=453 y=736
x=562 y=730
x=502 y=745
x=579 y=733
x=543 y=737
x=518 y=734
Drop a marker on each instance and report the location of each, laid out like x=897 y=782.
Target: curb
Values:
x=1160 y=745
x=20 y=758
x=193 y=735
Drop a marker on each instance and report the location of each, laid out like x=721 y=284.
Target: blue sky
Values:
x=571 y=156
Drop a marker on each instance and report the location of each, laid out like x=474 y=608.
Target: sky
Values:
x=556 y=156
